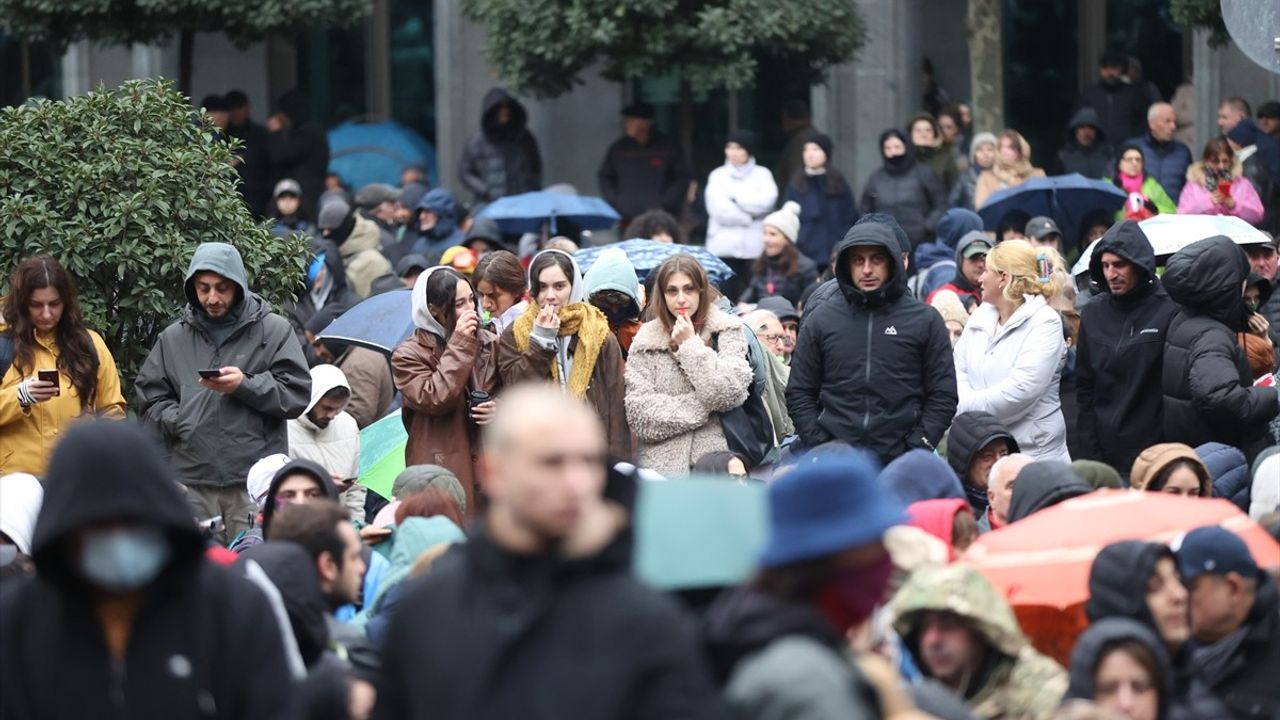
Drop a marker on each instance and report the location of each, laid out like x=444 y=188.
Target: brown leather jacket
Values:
x=605 y=393
x=435 y=380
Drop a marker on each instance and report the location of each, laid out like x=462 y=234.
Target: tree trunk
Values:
x=186 y=48
x=986 y=64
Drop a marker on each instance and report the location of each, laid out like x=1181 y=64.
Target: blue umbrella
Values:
x=377 y=152
x=525 y=213
x=647 y=255
x=378 y=323
x=1065 y=198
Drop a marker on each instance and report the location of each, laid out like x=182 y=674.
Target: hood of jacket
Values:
x=955 y=224
x=422 y=317
x=971 y=237
x=875 y=235
x=292 y=571
x=104 y=472
x=484 y=229
x=1102 y=635
x=1044 y=484
x=489 y=114
x=970 y=432
x=220 y=258
x=576 y=295
x=325 y=377
x=745 y=619
x=938 y=518
x=364 y=236
x=20 y=498
x=1206 y=278
x=416 y=535
x=962 y=590
x=1118 y=580
x=921 y=475
x=1227 y=466
x=307 y=467
x=1127 y=240
x=1086 y=116
x=1151 y=461
x=612 y=270
x=445 y=206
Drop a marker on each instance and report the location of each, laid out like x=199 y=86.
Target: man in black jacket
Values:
x=538 y=616
x=126 y=617
x=643 y=170
x=1121 y=107
x=297 y=148
x=1121 y=349
x=873 y=365
x=976 y=441
x=1208 y=389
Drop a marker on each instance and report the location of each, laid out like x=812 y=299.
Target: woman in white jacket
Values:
x=1009 y=358
x=739 y=194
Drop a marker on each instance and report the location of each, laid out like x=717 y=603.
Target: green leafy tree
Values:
x=120 y=186
x=542 y=46
x=1203 y=14
x=158 y=21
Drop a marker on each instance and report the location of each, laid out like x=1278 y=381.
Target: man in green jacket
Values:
x=220 y=383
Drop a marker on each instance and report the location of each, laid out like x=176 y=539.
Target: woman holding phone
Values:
x=1217 y=186
x=447 y=373
x=563 y=339
x=56 y=370
x=686 y=367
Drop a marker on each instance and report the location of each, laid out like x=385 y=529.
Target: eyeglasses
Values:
x=772 y=339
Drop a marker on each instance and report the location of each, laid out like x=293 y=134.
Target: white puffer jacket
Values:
x=1012 y=371
x=738 y=199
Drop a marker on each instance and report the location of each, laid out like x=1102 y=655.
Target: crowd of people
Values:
x=902 y=382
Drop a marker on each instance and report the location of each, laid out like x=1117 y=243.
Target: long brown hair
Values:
x=77 y=357
x=788 y=262
x=689 y=265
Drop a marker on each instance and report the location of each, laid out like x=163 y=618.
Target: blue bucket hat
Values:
x=825 y=505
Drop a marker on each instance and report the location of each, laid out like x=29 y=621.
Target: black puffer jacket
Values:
x=1044 y=484
x=1208 y=392
x=1092 y=161
x=872 y=369
x=204 y=642
x=501 y=160
x=912 y=193
x=970 y=432
x=772 y=283
x=1121 y=355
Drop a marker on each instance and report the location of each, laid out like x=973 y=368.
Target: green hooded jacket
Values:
x=1019 y=682
x=214 y=438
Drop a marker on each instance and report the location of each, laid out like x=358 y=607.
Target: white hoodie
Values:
x=20 y=498
x=335 y=448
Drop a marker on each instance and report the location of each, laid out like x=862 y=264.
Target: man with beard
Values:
x=329 y=437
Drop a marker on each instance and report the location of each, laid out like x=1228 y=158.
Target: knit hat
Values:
x=745 y=138
x=786 y=220
x=261 y=473
x=827 y=504
x=1269 y=109
x=982 y=138
x=411 y=195
x=332 y=215
x=419 y=477
x=1151 y=461
x=950 y=307
x=1244 y=134
x=779 y=306
x=1098 y=474
x=824 y=142
x=20 y=498
x=287 y=185
x=612 y=270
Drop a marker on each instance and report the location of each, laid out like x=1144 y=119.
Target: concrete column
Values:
x=986 y=62
x=378 y=60
x=1206 y=78
x=1092 y=38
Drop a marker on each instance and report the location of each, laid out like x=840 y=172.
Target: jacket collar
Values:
x=652 y=337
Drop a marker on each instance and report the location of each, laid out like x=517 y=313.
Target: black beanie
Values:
x=824 y=142
x=745 y=138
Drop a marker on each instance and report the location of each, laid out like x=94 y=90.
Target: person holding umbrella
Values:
x=563 y=339
x=447 y=374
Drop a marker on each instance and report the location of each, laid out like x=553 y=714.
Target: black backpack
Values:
x=747 y=428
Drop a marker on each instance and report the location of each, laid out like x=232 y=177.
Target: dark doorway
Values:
x=1039 y=73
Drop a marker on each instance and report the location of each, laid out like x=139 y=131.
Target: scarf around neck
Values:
x=581 y=319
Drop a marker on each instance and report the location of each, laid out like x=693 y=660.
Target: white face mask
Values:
x=124 y=558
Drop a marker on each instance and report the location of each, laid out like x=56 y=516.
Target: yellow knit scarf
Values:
x=581 y=319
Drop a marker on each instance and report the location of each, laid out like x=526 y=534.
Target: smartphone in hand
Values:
x=210 y=373
x=50 y=376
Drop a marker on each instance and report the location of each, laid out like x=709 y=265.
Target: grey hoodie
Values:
x=214 y=438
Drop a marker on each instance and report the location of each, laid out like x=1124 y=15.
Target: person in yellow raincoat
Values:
x=44 y=337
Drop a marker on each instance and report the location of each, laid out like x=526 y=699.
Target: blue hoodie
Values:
x=955 y=224
x=921 y=475
x=445 y=234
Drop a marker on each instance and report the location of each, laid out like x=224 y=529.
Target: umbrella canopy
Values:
x=647 y=255
x=1041 y=564
x=378 y=323
x=382 y=454
x=698 y=532
x=376 y=152
x=1170 y=233
x=527 y=212
x=1065 y=198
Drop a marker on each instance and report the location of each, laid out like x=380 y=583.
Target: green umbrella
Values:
x=698 y=532
x=382 y=453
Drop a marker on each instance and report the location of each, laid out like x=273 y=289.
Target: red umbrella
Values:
x=1041 y=563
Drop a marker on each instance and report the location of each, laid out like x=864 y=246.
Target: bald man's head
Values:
x=1000 y=483
x=1162 y=121
x=544 y=460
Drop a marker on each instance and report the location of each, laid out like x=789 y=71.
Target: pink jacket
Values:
x=1196 y=200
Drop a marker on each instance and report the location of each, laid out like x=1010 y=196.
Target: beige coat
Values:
x=673 y=398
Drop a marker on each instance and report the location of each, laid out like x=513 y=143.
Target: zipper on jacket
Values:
x=866 y=414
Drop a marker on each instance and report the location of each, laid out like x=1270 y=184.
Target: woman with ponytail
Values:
x=1009 y=358
x=43 y=336
x=563 y=339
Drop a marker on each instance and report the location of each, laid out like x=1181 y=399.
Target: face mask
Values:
x=853 y=595
x=127 y=558
x=1253 y=306
x=896 y=162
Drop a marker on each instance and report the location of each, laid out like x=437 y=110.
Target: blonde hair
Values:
x=1032 y=270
